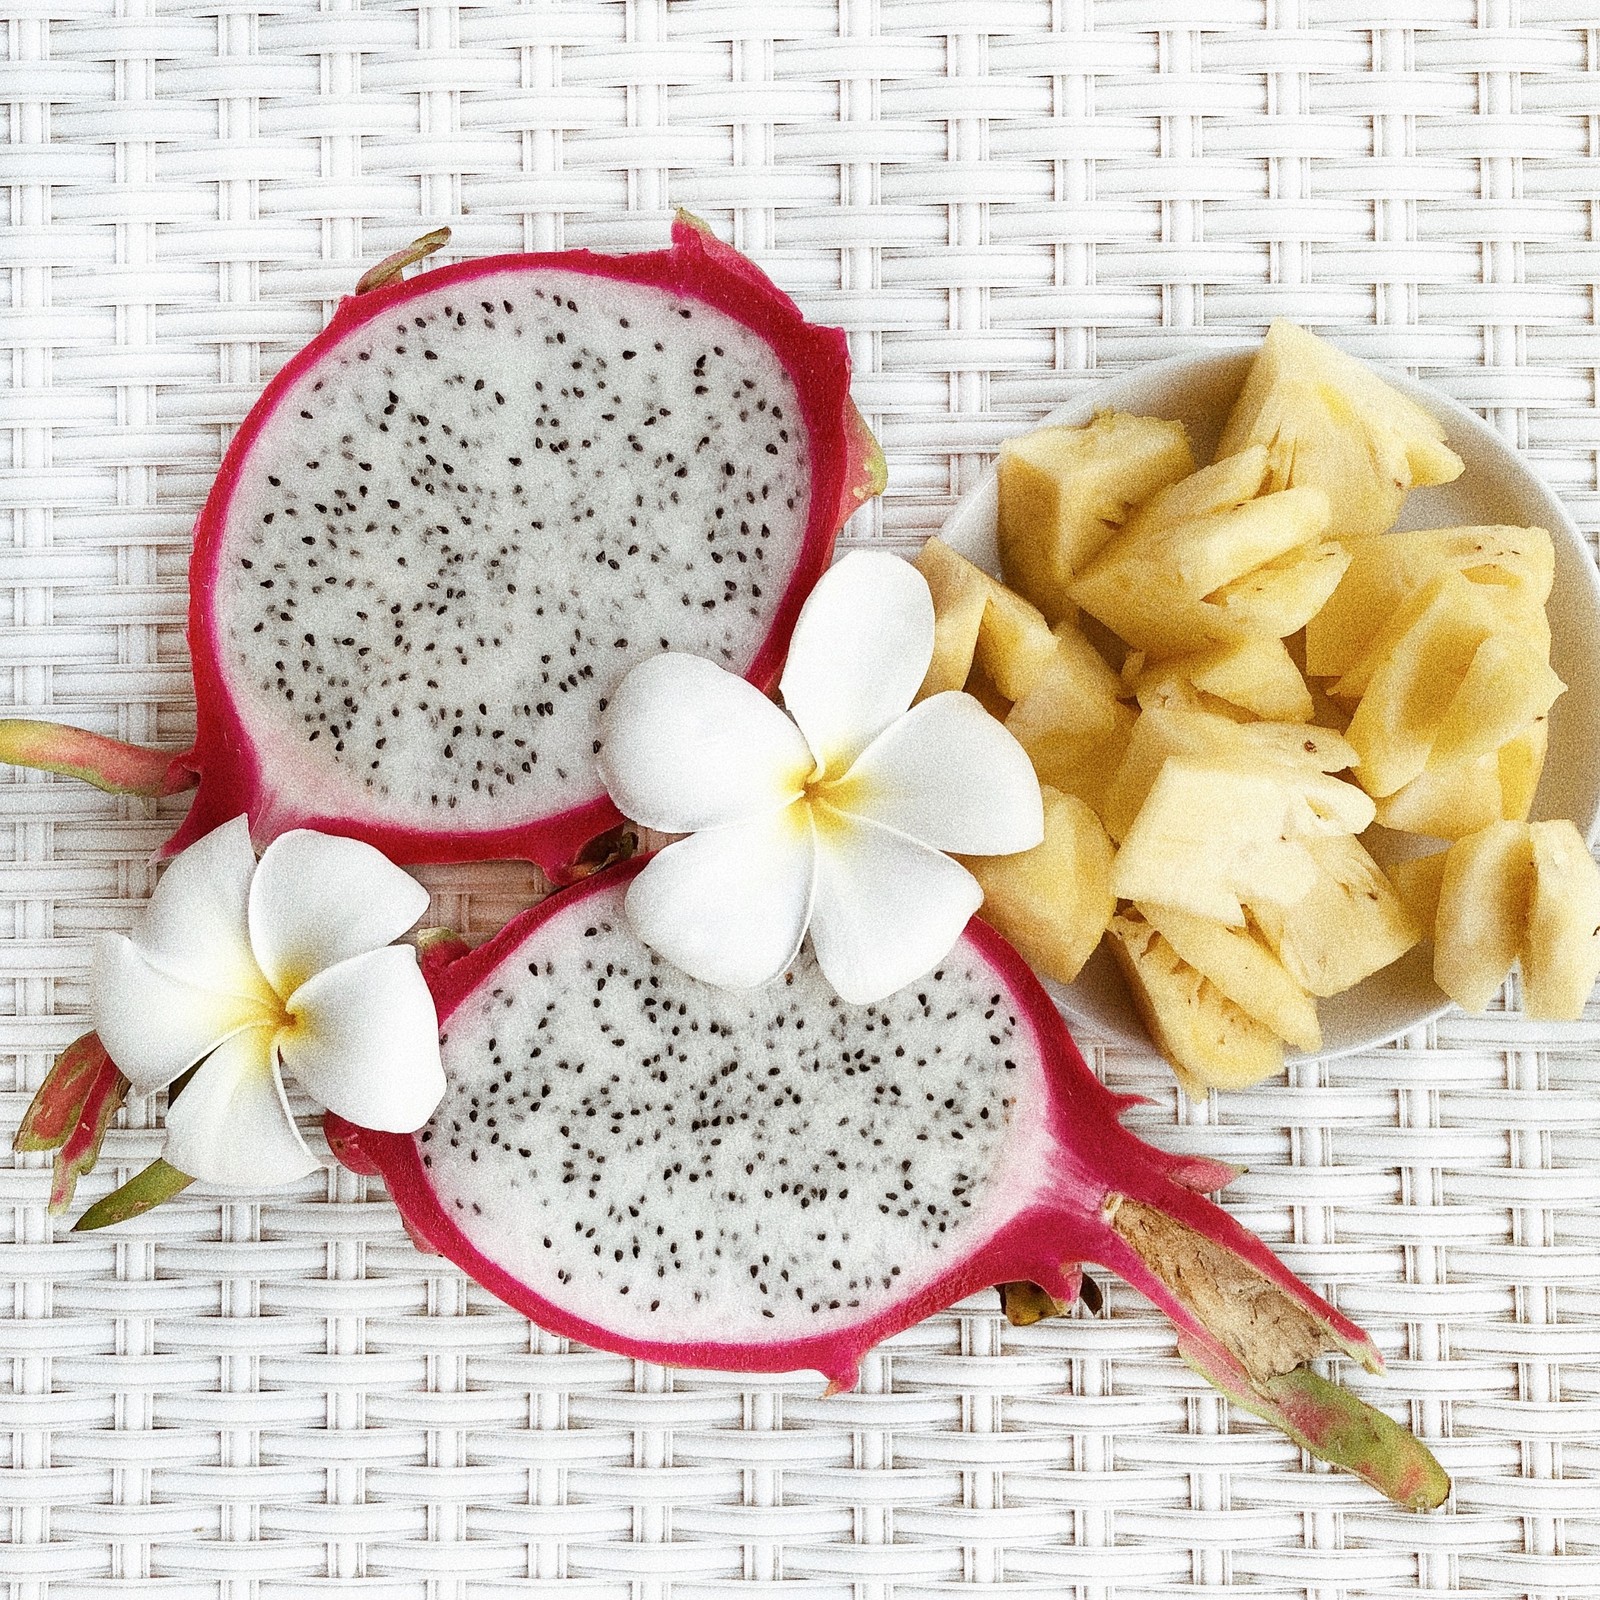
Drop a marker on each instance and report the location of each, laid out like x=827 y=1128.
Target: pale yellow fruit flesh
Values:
x=1384 y=572
x=1561 y=952
x=1243 y=968
x=960 y=593
x=1483 y=912
x=1348 y=925
x=1052 y=902
x=1327 y=419
x=1064 y=490
x=1257 y=675
x=1206 y=1039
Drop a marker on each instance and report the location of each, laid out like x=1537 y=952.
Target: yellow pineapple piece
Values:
x=1419 y=881
x=1413 y=688
x=1063 y=491
x=1561 y=950
x=1521 y=761
x=1054 y=901
x=1327 y=419
x=1304 y=754
x=1483 y=912
x=960 y=594
x=1153 y=586
x=1076 y=741
x=1448 y=801
x=1384 y=573
x=1015 y=644
x=1507 y=686
x=1280 y=596
x=1208 y=1041
x=1240 y=963
x=1349 y=924
x=1254 y=674
x=1208 y=838
x=1223 y=486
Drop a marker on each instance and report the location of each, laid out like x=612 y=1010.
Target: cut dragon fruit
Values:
x=774 y=1179
x=458 y=516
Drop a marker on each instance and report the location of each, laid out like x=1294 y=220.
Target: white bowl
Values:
x=1496 y=487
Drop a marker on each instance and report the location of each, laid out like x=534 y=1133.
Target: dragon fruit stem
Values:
x=393 y=266
x=69 y=1115
x=108 y=764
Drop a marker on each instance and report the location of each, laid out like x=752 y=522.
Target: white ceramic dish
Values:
x=1496 y=487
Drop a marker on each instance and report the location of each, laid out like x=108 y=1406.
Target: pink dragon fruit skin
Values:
x=227 y=760
x=1068 y=1183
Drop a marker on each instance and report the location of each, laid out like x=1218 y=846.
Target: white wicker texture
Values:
x=998 y=198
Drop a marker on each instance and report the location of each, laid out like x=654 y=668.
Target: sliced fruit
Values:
x=1255 y=674
x=1281 y=596
x=1240 y=963
x=1446 y=802
x=1052 y=902
x=1207 y=1040
x=960 y=593
x=1561 y=952
x=1063 y=491
x=1422 y=662
x=1223 y=486
x=1349 y=924
x=1327 y=419
x=1209 y=838
x=1418 y=881
x=1483 y=912
x=1507 y=686
x=1302 y=751
x=1521 y=761
x=1152 y=586
x=1384 y=573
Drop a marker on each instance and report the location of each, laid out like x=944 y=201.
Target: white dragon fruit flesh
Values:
x=456 y=518
x=774 y=1179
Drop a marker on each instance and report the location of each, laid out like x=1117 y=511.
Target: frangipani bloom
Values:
x=835 y=820
x=257 y=970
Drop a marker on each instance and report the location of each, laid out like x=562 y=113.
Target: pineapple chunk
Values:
x=1454 y=686
x=1483 y=912
x=1153 y=586
x=1015 y=645
x=1561 y=952
x=1446 y=802
x=1418 y=882
x=1521 y=761
x=1296 y=751
x=1054 y=901
x=1280 y=596
x=1223 y=486
x=1384 y=573
x=1240 y=964
x=1256 y=674
x=1327 y=419
x=1208 y=1041
x=1508 y=685
x=1348 y=925
x=1063 y=491
x=960 y=595
x=1208 y=838
x=1076 y=742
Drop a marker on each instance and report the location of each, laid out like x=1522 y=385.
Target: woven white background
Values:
x=999 y=199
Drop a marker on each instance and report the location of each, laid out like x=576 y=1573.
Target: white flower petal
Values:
x=231 y=1124
x=887 y=909
x=686 y=746
x=859 y=652
x=317 y=900
x=949 y=775
x=729 y=906
x=155 y=1025
x=364 y=1041
x=194 y=925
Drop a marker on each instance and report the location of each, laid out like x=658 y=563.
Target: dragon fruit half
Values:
x=458 y=516
x=774 y=1179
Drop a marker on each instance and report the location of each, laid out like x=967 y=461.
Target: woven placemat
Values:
x=999 y=199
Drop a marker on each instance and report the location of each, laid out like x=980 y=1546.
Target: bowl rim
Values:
x=969 y=528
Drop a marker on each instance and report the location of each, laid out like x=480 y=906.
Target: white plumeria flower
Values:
x=256 y=970
x=836 y=820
